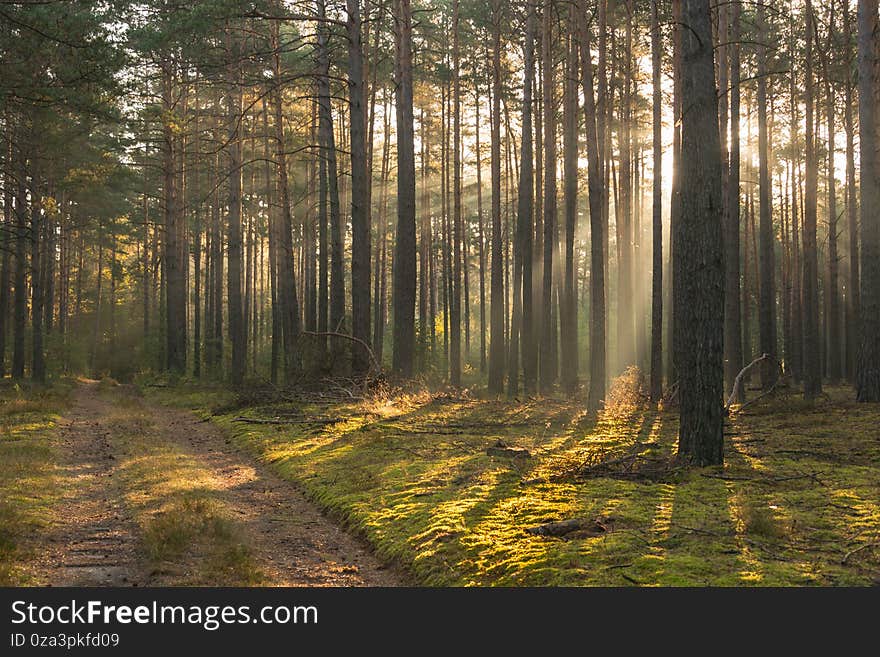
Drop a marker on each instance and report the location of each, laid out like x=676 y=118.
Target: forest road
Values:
x=95 y=540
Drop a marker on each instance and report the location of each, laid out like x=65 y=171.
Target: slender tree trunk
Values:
x=496 y=347
x=481 y=233
x=457 y=230
x=233 y=226
x=20 y=298
x=404 y=295
x=38 y=362
x=852 y=212
x=733 y=340
x=568 y=308
x=766 y=260
x=287 y=295
x=596 y=193
x=656 y=384
x=547 y=363
x=525 y=210
x=174 y=279
x=812 y=352
x=360 y=198
x=328 y=145
x=834 y=340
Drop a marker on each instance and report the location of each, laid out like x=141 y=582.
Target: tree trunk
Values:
x=547 y=363
x=288 y=301
x=868 y=377
x=405 y=247
x=360 y=199
x=812 y=354
x=700 y=304
x=38 y=363
x=656 y=384
x=525 y=209
x=328 y=146
x=766 y=260
x=852 y=212
x=568 y=308
x=233 y=226
x=496 y=347
x=174 y=279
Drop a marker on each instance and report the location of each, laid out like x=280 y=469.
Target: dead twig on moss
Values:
x=866 y=546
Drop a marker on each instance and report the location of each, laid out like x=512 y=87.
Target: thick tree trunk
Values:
x=868 y=377
x=700 y=303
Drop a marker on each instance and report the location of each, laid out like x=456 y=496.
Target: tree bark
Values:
x=496 y=346
x=700 y=304
x=656 y=383
x=405 y=246
x=812 y=354
x=868 y=377
x=767 y=265
x=360 y=203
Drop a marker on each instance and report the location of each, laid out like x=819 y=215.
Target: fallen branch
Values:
x=859 y=549
x=737 y=382
x=253 y=420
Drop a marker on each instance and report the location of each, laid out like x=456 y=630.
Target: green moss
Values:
x=799 y=490
x=29 y=485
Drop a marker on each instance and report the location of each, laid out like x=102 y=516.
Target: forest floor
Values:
x=101 y=487
x=435 y=482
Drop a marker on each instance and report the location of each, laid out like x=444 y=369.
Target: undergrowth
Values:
x=29 y=485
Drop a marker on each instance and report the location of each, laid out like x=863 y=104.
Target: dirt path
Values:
x=96 y=542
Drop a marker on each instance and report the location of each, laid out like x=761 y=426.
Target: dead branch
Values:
x=866 y=546
x=737 y=382
x=253 y=420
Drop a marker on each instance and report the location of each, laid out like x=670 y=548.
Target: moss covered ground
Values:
x=29 y=483
x=797 y=502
